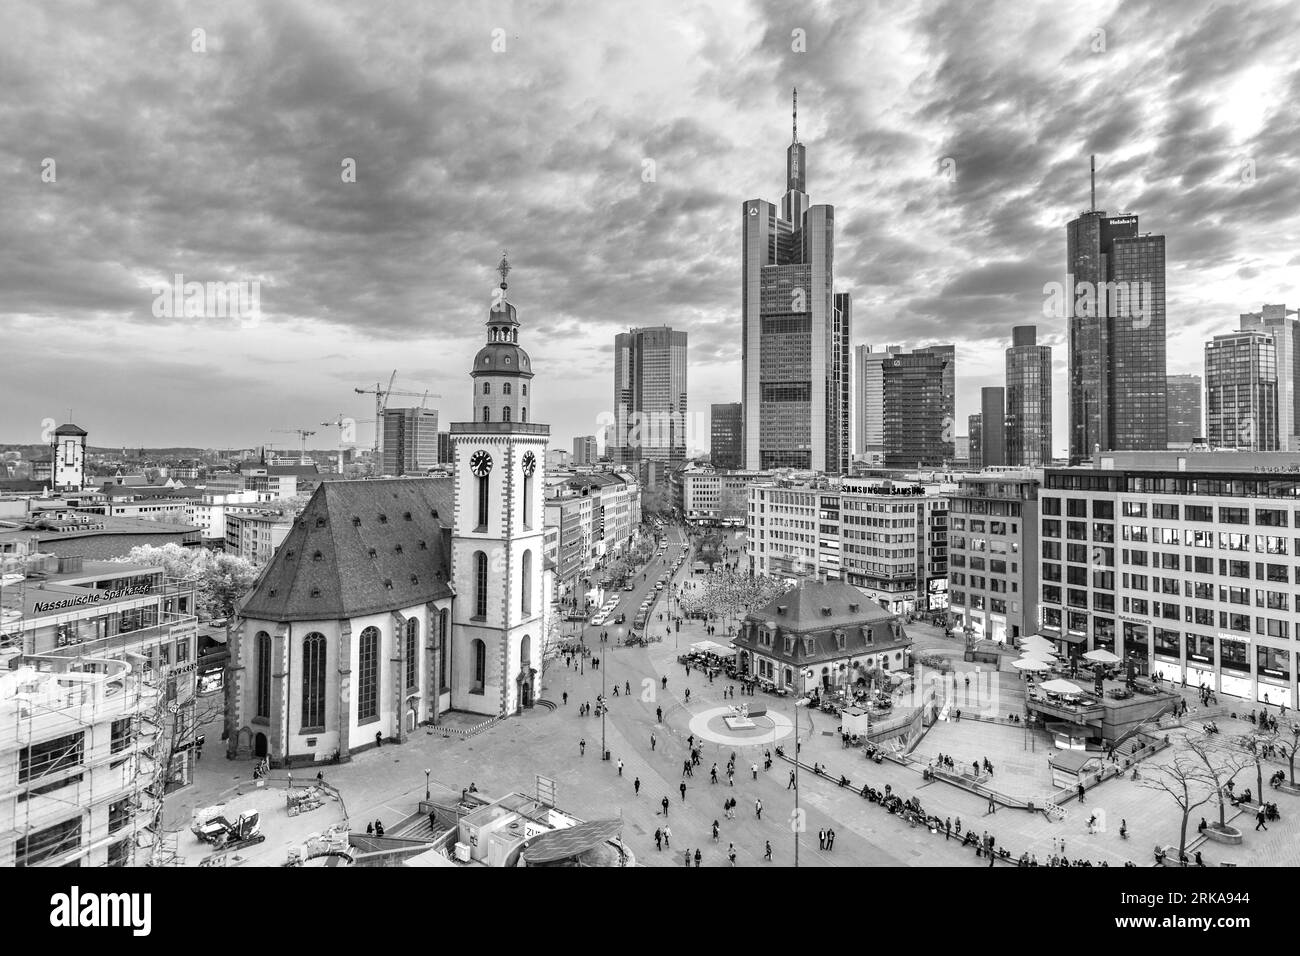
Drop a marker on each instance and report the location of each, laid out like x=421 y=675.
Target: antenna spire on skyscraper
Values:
x=1093 y=160
x=795 y=116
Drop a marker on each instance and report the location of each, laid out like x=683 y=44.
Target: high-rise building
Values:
x=993 y=426
x=649 y=397
x=1286 y=340
x=1241 y=391
x=917 y=393
x=1115 y=308
x=444 y=448
x=795 y=331
x=410 y=441
x=869 y=402
x=975 y=441
x=1029 y=399
x=726 y=430
x=1183 y=410
x=584 y=451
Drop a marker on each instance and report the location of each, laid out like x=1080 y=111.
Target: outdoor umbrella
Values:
x=1061 y=687
x=1031 y=664
x=1100 y=656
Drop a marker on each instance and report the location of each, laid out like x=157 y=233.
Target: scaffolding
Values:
x=94 y=732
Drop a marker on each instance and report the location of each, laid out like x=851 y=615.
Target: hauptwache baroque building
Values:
x=395 y=601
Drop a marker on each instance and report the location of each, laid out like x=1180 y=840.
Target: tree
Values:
x=1187 y=782
x=221 y=580
x=1221 y=766
x=729 y=594
x=1253 y=746
x=1288 y=749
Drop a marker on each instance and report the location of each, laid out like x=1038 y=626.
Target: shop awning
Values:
x=1070 y=638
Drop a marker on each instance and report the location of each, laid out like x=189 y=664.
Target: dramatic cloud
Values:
x=608 y=147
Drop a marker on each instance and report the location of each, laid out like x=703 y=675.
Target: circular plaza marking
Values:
x=710 y=725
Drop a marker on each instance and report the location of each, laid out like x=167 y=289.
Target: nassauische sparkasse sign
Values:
x=92 y=597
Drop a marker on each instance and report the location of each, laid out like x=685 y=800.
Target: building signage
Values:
x=1127 y=221
x=91 y=597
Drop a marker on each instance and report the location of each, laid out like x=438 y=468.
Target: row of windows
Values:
x=505 y=388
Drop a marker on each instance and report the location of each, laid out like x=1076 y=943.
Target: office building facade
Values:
x=410 y=441
x=1282 y=326
x=1183 y=410
x=1028 y=399
x=1115 y=308
x=584 y=451
x=649 y=397
x=1181 y=564
x=726 y=435
x=919 y=405
x=869 y=402
x=1241 y=391
x=795 y=332
x=993 y=430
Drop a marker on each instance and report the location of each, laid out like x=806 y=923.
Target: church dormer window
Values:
x=487 y=388
x=505 y=389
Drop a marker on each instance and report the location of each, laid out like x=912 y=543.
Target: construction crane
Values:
x=302 y=433
x=343 y=423
x=381 y=402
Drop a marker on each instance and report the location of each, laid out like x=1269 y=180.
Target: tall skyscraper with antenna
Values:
x=1116 y=319
x=795 y=330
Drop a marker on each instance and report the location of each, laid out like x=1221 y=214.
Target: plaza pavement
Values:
x=386 y=783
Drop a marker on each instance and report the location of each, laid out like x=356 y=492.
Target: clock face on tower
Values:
x=530 y=463
x=480 y=463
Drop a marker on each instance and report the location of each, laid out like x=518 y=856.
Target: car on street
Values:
x=629 y=587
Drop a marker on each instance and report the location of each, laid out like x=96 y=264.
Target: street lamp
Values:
x=426 y=784
x=807 y=675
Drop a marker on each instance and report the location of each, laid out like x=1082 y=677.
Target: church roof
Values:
x=70 y=429
x=500 y=358
x=360 y=547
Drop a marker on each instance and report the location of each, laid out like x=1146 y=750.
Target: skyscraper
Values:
x=584 y=450
x=726 y=426
x=869 y=402
x=795 y=331
x=1115 y=309
x=410 y=441
x=918 y=415
x=993 y=426
x=1286 y=341
x=1183 y=409
x=1029 y=399
x=975 y=440
x=1241 y=394
x=649 y=397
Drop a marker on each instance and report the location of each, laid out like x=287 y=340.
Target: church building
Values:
x=393 y=602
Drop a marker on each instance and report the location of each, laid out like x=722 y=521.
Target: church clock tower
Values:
x=498 y=567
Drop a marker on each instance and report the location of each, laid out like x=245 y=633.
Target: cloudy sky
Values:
x=953 y=139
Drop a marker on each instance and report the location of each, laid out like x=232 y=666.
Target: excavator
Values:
x=224 y=835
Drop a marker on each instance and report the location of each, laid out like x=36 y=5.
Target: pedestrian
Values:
x=379 y=738
x=687 y=854
x=767 y=851
x=620 y=766
x=659 y=839
x=688 y=695
x=758 y=809
x=713 y=774
x=565 y=697
x=659 y=715
x=993 y=805
x=379 y=828
x=627 y=687
x=1259 y=817
x=754 y=770
x=663 y=683
x=582 y=747
x=821 y=839
x=370 y=829
x=697 y=858
x=664 y=803
x=830 y=838
x=1082 y=799
x=731 y=775
x=652 y=742
x=790 y=785
x=731 y=853
x=947 y=828
x=668 y=836
x=715 y=831
x=636 y=786
x=682 y=788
